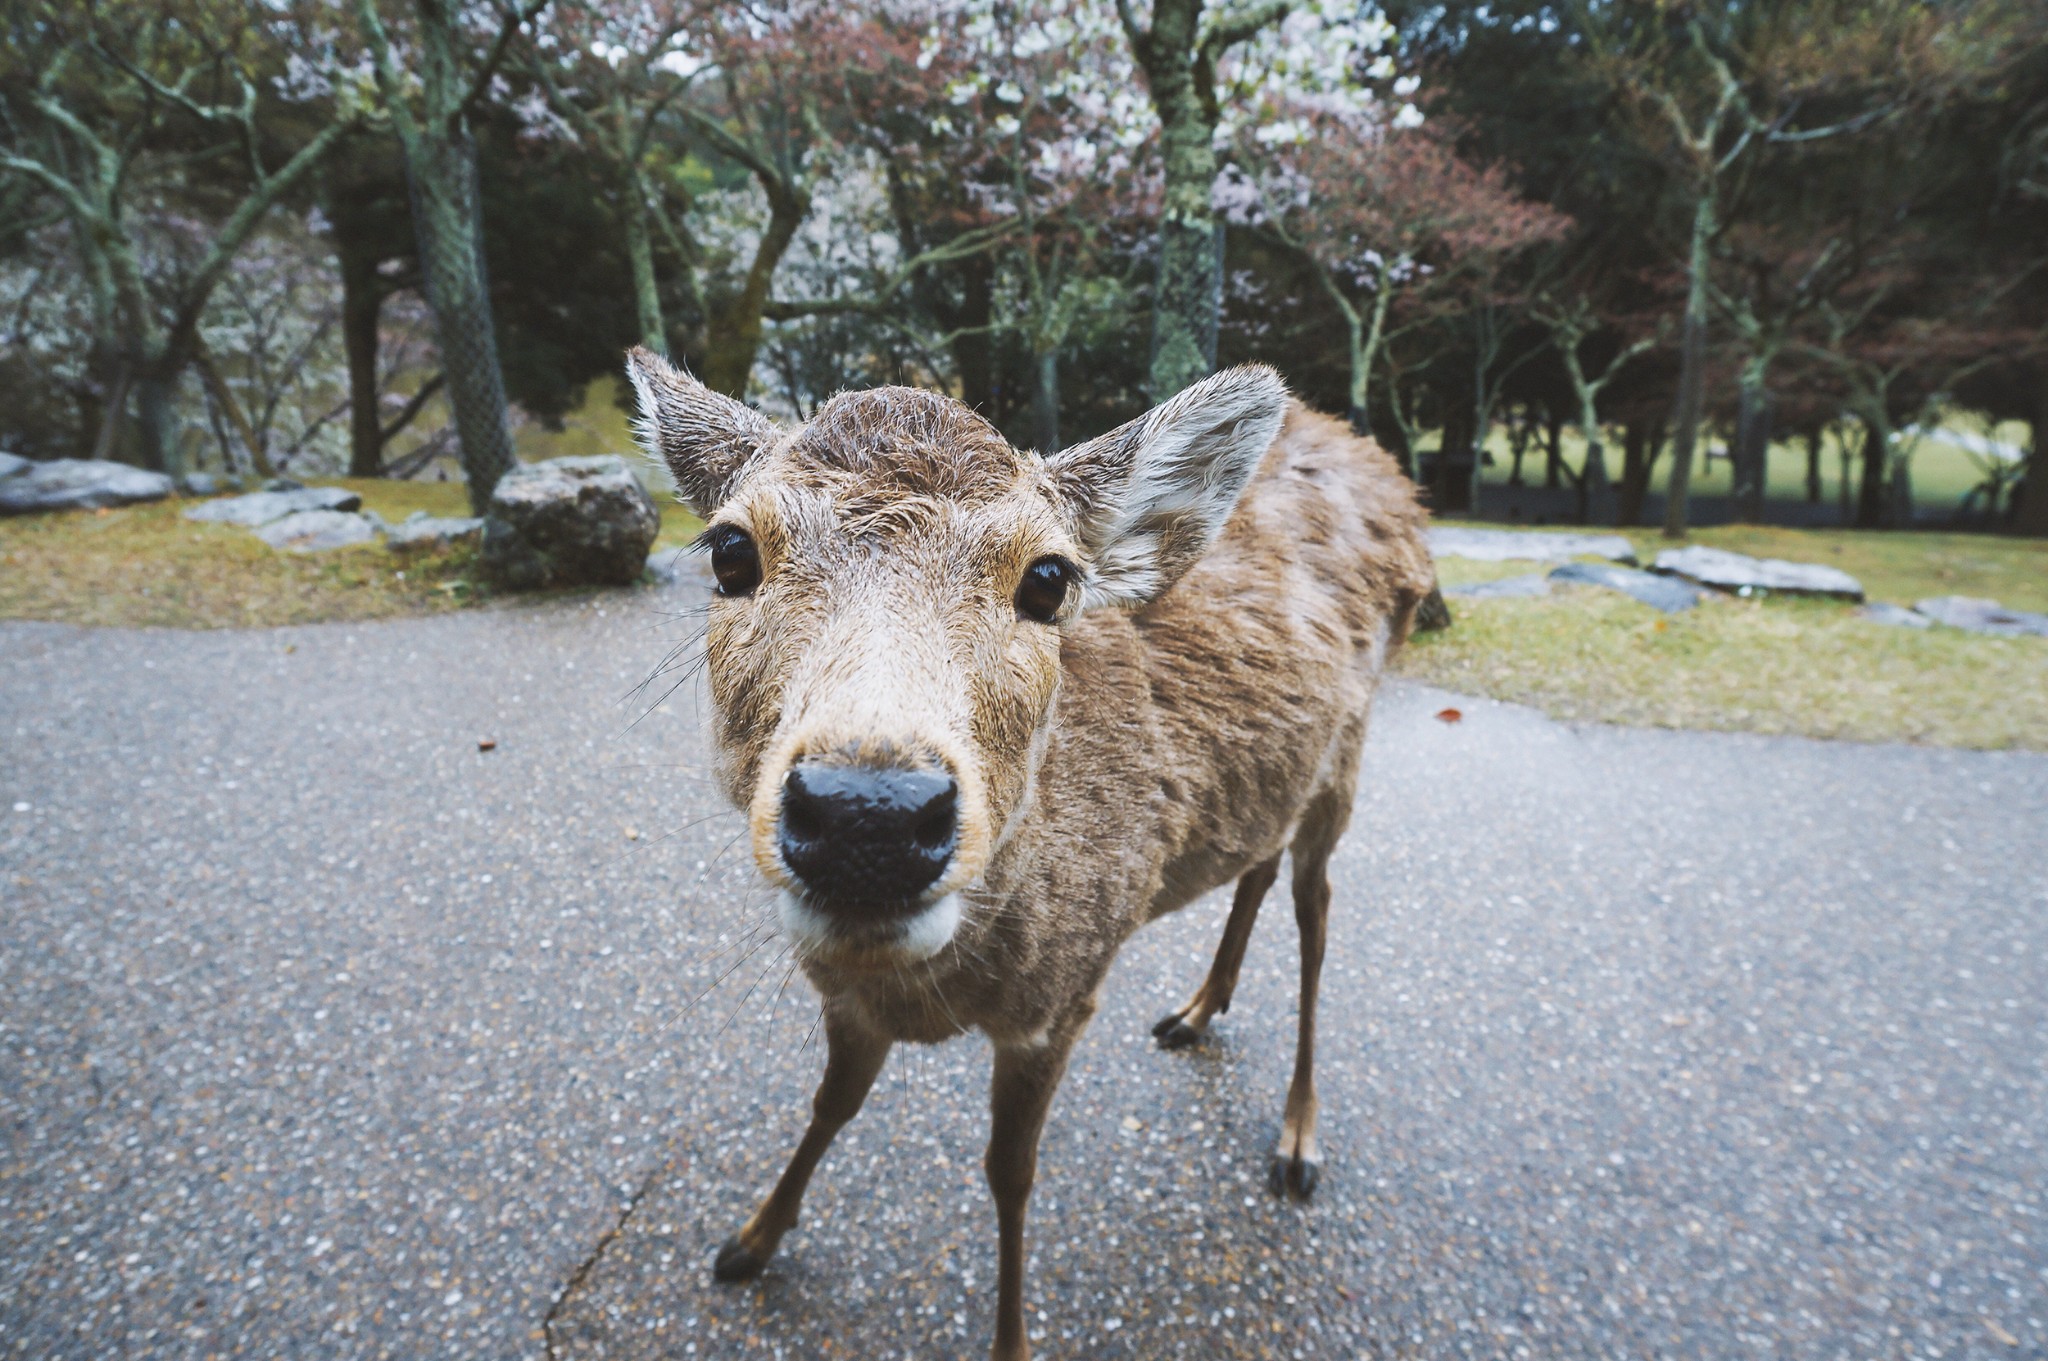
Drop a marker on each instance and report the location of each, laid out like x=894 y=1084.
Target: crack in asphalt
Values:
x=596 y=1254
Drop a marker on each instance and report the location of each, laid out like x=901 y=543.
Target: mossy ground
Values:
x=142 y=566
x=1773 y=665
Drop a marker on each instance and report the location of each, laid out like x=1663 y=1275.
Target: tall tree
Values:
x=118 y=103
x=1178 y=52
x=430 y=109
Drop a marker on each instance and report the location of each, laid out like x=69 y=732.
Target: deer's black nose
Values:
x=867 y=835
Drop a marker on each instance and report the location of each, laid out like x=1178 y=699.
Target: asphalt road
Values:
x=325 y=1034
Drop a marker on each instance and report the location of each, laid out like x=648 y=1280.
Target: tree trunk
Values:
x=447 y=220
x=1451 y=491
x=1553 y=449
x=157 y=443
x=362 y=307
x=113 y=422
x=1045 y=402
x=640 y=254
x=1899 y=491
x=1752 y=451
x=1813 y=439
x=1845 y=481
x=1187 y=288
x=733 y=338
x=1692 y=378
x=2030 y=515
x=1360 y=403
x=973 y=348
x=1518 y=445
x=1870 y=501
x=1637 y=457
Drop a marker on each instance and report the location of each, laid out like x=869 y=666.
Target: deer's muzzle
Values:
x=867 y=841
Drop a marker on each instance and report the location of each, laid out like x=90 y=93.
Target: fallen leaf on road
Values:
x=487 y=744
x=1450 y=715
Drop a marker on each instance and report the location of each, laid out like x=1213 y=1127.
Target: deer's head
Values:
x=893 y=583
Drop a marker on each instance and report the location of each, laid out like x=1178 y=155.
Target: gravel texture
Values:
x=328 y=1034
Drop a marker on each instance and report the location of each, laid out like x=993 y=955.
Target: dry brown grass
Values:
x=146 y=566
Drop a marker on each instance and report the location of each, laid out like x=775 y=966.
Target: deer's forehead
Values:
x=846 y=522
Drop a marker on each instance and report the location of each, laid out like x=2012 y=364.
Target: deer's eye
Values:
x=1044 y=589
x=734 y=560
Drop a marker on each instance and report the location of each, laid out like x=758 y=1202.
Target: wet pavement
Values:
x=325 y=1033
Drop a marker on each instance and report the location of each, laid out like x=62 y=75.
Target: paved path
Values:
x=323 y=1034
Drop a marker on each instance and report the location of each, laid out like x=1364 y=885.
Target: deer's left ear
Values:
x=1148 y=498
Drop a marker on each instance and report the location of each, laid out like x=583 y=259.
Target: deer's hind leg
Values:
x=1297 y=1164
x=1186 y=1025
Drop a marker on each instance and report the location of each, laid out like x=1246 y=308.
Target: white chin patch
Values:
x=915 y=937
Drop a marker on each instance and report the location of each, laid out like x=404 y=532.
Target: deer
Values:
x=989 y=711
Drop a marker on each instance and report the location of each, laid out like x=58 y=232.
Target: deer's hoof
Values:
x=1296 y=1177
x=1174 y=1033
x=737 y=1262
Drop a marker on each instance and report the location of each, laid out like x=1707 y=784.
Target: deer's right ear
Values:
x=705 y=439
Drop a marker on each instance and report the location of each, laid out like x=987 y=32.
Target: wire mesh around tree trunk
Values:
x=447 y=222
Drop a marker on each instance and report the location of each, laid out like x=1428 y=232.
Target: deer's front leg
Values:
x=1026 y=1076
x=854 y=1055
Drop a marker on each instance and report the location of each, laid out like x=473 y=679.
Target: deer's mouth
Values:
x=876 y=934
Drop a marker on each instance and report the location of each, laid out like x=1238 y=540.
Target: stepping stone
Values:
x=1668 y=594
x=78 y=484
x=315 y=531
x=1719 y=568
x=263 y=507
x=421 y=531
x=1509 y=588
x=1898 y=616
x=1510 y=545
x=1983 y=616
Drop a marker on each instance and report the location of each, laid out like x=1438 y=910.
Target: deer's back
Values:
x=1203 y=724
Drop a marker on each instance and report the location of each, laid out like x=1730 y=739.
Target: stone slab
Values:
x=1515 y=545
x=1668 y=594
x=1978 y=615
x=79 y=484
x=1723 y=570
x=263 y=507
x=316 y=531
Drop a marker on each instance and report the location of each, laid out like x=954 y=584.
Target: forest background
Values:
x=1562 y=258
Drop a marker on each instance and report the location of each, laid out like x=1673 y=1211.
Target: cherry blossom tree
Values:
x=1393 y=225
x=121 y=103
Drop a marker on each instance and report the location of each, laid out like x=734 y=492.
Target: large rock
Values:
x=1508 y=588
x=1668 y=594
x=428 y=531
x=315 y=531
x=1728 y=571
x=10 y=464
x=264 y=507
x=79 y=484
x=569 y=522
x=1980 y=616
x=1514 y=545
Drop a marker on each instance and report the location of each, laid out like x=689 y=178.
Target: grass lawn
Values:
x=148 y=566
x=1777 y=665
x=1767 y=665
